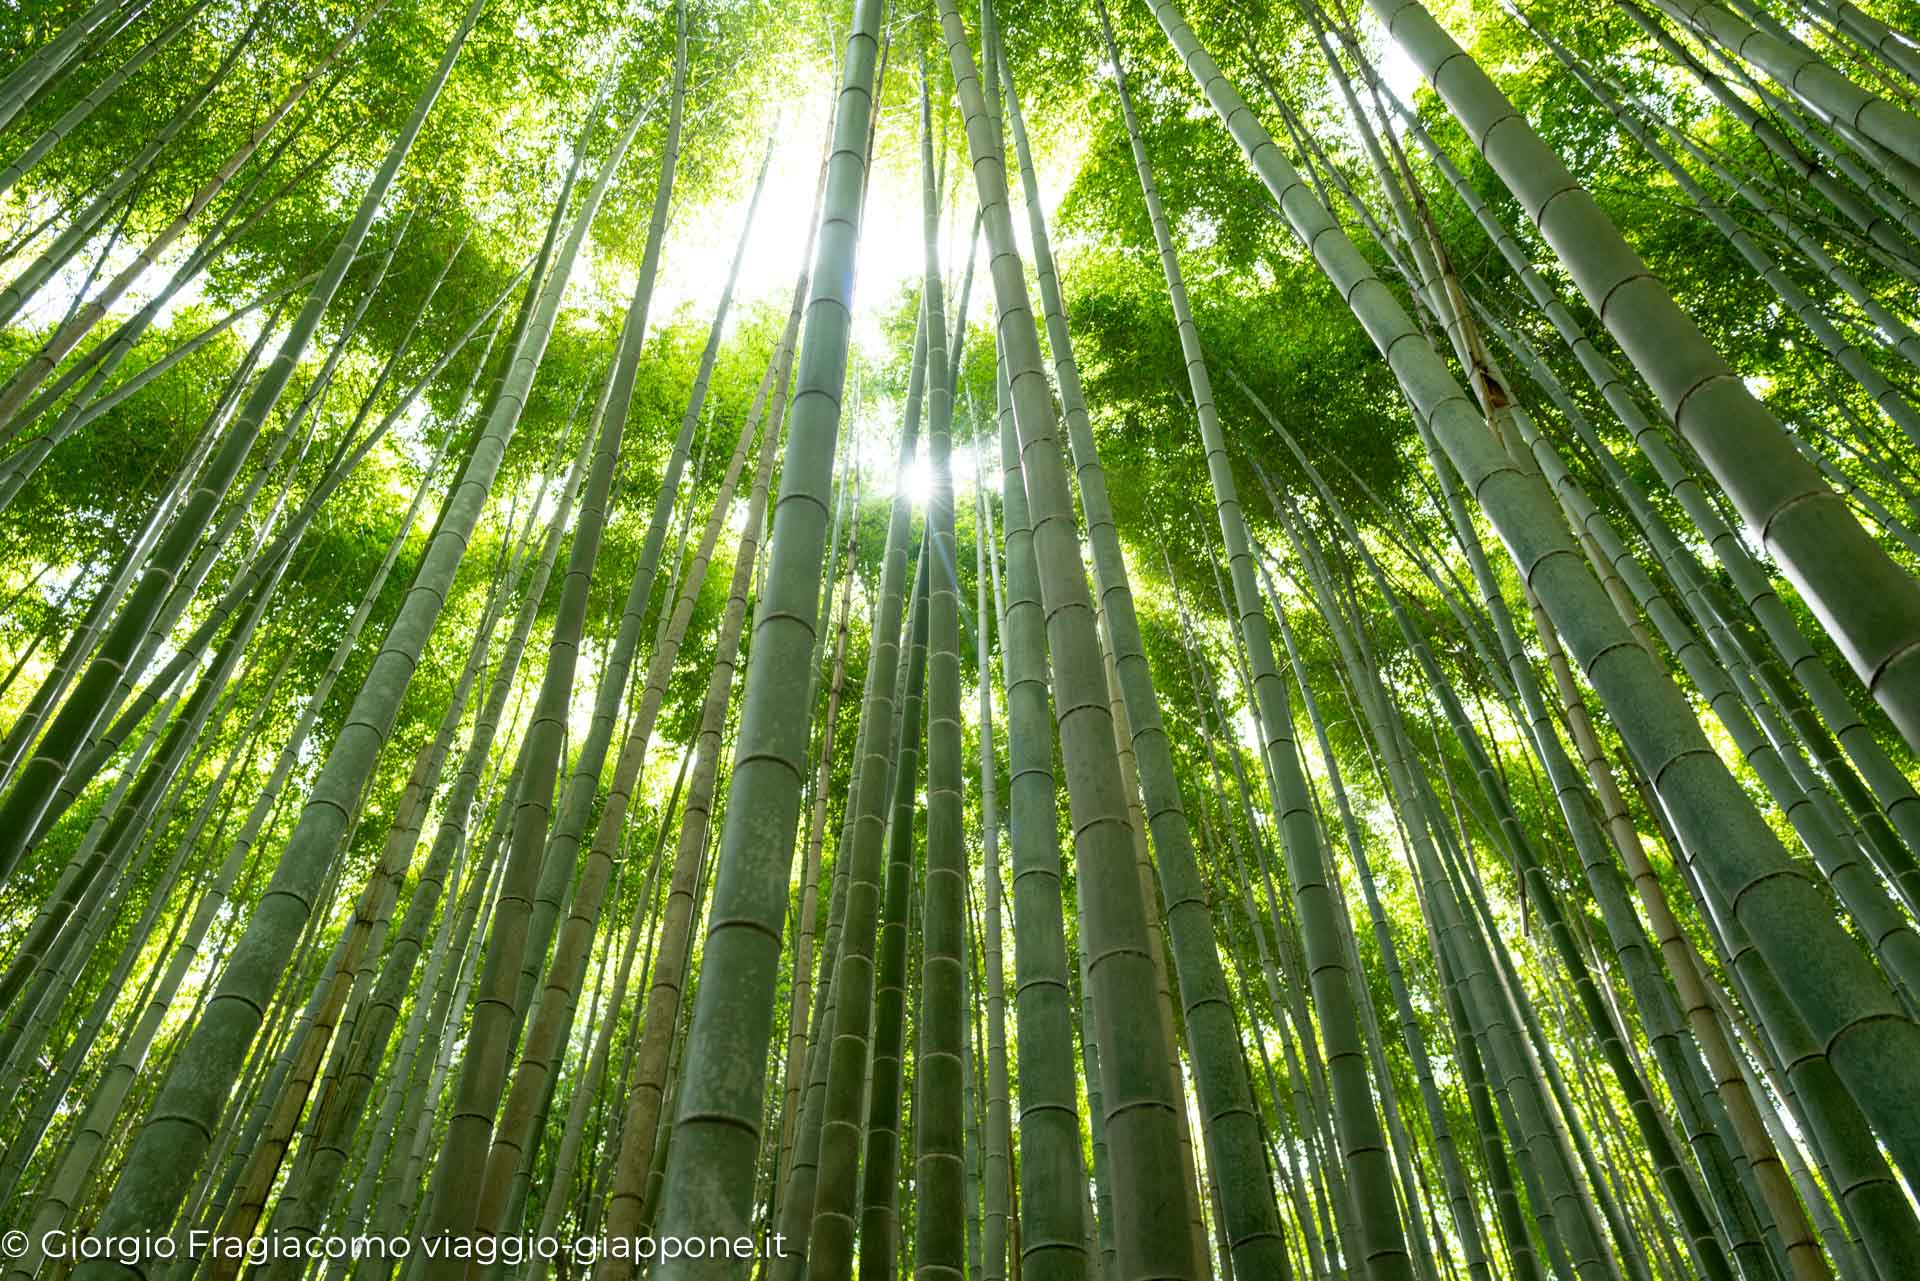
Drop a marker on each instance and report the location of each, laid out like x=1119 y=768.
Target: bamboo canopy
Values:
x=1006 y=642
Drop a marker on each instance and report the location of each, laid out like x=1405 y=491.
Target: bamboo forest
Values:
x=969 y=640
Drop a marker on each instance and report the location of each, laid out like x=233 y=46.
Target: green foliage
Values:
x=480 y=189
